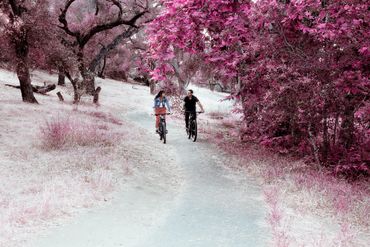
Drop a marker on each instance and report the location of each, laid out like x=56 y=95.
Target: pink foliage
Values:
x=299 y=69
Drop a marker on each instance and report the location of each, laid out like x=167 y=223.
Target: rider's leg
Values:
x=156 y=119
x=187 y=119
x=157 y=111
x=160 y=110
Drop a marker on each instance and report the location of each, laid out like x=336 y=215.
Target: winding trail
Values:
x=215 y=207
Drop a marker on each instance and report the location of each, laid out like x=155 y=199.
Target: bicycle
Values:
x=162 y=130
x=192 y=130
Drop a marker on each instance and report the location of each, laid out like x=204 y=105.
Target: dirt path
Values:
x=215 y=206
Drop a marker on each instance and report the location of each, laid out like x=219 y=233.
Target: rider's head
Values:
x=160 y=94
x=190 y=92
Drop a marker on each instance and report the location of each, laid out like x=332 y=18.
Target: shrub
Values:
x=60 y=132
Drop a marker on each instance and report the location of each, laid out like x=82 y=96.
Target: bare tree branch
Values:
x=106 y=49
x=62 y=19
x=107 y=26
x=119 y=6
x=83 y=39
x=96 y=7
x=15 y=8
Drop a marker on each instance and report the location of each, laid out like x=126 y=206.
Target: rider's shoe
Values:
x=157 y=131
x=166 y=131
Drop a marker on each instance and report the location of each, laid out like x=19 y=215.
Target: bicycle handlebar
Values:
x=162 y=114
x=194 y=111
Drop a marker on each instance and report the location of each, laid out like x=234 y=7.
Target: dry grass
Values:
x=57 y=158
x=304 y=189
x=69 y=164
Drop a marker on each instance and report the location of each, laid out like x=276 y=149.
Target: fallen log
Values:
x=37 y=89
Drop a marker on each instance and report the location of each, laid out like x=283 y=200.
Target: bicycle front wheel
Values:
x=164 y=131
x=160 y=131
x=190 y=129
x=194 y=131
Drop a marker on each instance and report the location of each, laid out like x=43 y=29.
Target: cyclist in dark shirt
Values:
x=190 y=102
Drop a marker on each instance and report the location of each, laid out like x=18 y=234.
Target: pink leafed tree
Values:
x=85 y=22
x=22 y=24
x=299 y=69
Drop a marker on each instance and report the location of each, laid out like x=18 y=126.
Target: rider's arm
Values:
x=200 y=105
x=183 y=105
x=155 y=103
x=168 y=105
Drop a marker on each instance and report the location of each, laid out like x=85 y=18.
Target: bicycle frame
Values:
x=192 y=130
x=162 y=126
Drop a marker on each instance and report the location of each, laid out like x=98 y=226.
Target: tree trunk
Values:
x=74 y=82
x=88 y=81
x=212 y=85
x=346 y=134
x=182 y=86
x=152 y=86
x=96 y=95
x=326 y=142
x=315 y=148
x=239 y=89
x=101 y=72
x=335 y=129
x=23 y=72
x=76 y=94
x=60 y=96
x=61 y=76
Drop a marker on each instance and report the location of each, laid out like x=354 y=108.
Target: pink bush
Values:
x=61 y=132
x=55 y=132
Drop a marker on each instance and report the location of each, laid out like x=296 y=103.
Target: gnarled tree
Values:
x=18 y=20
x=115 y=14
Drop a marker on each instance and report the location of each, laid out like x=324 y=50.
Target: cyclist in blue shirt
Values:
x=160 y=104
